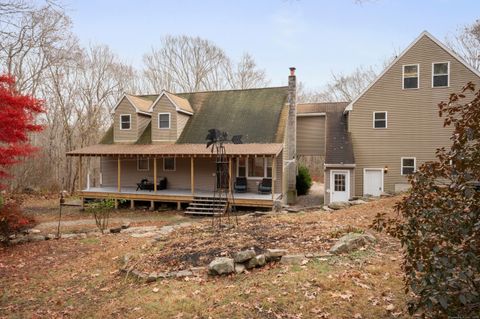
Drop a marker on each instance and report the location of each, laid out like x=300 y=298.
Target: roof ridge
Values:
x=226 y=90
x=336 y=102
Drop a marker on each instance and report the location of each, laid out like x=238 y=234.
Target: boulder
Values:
x=239 y=268
x=33 y=231
x=50 y=236
x=152 y=277
x=350 y=242
x=338 y=205
x=36 y=238
x=244 y=255
x=257 y=261
x=19 y=240
x=327 y=209
x=275 y=254
x=221 y=266
x=125 y=225
x=140 y=229
x=74 y=236
x=115 y=230
x=357 y=202
x=143 y=235
x=292 y=259
x=184 y=273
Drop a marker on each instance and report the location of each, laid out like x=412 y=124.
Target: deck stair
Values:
x=207 y=206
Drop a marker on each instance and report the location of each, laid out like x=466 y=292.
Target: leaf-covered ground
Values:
x=80 y=278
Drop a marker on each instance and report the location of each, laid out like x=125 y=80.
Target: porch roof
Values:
x=271 y=149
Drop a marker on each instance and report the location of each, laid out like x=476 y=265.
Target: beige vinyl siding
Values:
x=127 y=136
x=311 y=135
x=414 y=127
x=143 y=121
x=327 y=182
x=182 y=120
x=164 y=135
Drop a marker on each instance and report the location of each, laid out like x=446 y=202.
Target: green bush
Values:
x=439 y=222
x=101 y=212
x=304 y=181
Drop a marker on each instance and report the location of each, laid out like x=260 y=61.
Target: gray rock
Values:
x=244 y=255
x=292 y=259
x=50 y=236
x=33 y=238
x=162 y=275
x=184 y=273
x=152 y=277
x=357 y=202
x=239 y=268
x=125 y=225
x=143 y=235
x=257 y=261
x=33 y=231
x=221 y=266
x=140 y=275
x=275 y=254
x=327 y=209
x=140 y=229
x=338 y=205
x=74 y=236
x=115 y=230
x=197 y=270
x=19 y=240
x=350 y=242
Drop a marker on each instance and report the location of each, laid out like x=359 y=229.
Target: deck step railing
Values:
x=206 y=206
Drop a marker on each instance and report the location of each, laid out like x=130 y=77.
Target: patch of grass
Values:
x=90 y=241
x=320 y=266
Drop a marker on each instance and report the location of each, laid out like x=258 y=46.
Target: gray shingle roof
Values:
x=339 y=148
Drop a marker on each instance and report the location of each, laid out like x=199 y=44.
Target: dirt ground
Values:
x=79 y=278
x=314 y=196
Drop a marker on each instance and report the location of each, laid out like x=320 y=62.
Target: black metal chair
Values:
x=143 y=185
x=265 y=186
x=240 y=185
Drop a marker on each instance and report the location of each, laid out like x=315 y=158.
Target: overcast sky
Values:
x=318 y=37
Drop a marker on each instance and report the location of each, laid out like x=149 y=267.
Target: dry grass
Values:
x=79 y=279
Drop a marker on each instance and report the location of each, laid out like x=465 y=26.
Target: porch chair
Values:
x=265 y=186
x=240 y=185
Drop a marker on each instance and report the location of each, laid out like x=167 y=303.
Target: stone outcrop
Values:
x=221 y=266
x=351 y=242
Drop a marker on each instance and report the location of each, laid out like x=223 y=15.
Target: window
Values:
x=164 y=120
x=241 y=167
x=256 y=167
x=339 y=183
x=125 y=121
x=379 y=119
x=143 y=164
x=440 y=74
x=408 y=165
x=169 y=163
x=410 y=76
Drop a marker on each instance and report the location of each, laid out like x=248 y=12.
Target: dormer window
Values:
x=441 y=74
x=410 y=76
x=125 y=121
x=164 y=121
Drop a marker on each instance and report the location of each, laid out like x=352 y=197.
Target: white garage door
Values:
x=372 y=181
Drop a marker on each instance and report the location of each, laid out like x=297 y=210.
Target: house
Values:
x=393 y=126
x=161 y=139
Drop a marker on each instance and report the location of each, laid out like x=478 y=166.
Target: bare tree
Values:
x=246 y=74
x=466 y=43
x=191 y=64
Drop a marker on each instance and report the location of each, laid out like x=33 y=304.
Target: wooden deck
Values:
x=174 y=195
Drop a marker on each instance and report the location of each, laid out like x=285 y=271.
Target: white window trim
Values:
x=414 y=164
x=386 y=120
x=129 y=121
x=138 y=164
x=448 y=74
x=174 y=165
x=265 y=169
x=169 y=120
x=403 y=77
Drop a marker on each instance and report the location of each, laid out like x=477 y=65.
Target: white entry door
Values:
x=372 y=181
x=339 y=186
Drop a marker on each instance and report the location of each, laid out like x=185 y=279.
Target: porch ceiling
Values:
x=272 y=149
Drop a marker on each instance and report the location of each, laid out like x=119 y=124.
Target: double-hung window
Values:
x=125 y=121
x=143 y=164
x=255 y=167
x=408 y=165
x=441 y=74
x=168 y=164
x=410 y=76
x=379 y=119
x=164 y=120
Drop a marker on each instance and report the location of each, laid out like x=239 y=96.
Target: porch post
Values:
x=274 y=175
x=192 y=175
x=88 y=180
x=230 y=175
x=80 y=182
x=155 y=174
x=119 y=168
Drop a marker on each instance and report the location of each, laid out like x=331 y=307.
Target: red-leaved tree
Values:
x=17 y=120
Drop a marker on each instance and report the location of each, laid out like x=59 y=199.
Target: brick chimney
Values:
x=291 y=161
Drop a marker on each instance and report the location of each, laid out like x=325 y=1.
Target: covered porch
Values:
x=191 y=173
